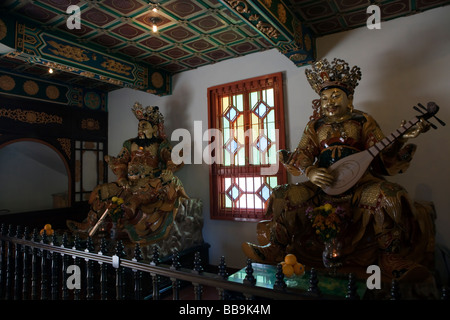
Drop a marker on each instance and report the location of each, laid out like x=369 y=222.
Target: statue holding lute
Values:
x=345 y=156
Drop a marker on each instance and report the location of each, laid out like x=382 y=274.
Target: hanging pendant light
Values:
x=155 y=21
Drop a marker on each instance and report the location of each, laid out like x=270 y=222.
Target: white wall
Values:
x=25 y=165
x=405 y=62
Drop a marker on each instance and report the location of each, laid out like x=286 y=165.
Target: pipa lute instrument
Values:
x=350 y=169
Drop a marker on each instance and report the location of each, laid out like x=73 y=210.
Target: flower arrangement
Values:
x=326 y=220
x=116 y=210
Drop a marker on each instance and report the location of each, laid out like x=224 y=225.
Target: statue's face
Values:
x=146 y=129
x=335 y=103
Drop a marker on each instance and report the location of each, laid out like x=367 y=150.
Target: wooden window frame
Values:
x=217 y=175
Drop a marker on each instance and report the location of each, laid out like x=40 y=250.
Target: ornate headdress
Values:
x=331 y=75
x=149 y=113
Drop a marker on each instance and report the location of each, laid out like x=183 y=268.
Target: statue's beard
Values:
x=143 y=141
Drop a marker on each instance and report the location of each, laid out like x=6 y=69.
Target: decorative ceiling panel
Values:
x=183 y=8
x=190 y=34
x=327 y=17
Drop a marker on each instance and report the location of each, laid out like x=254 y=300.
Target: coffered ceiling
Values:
x=114 y=45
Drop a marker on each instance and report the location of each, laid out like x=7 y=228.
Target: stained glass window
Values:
x=249 y=114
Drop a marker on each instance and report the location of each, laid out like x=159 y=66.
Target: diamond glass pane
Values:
x=234 y=193
x=260 y=110
x=232 y=146
x=231 y=114
x=262 y=144
x=264 y=192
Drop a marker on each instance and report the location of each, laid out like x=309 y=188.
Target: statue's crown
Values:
x=149 y=113
x=335 y=74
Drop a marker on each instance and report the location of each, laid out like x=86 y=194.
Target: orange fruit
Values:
x=290 y=259
x=48 y=227
x=299 y=269
x=288 y=270
x=47 y=232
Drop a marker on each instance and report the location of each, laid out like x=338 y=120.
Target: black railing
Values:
x=39 y=267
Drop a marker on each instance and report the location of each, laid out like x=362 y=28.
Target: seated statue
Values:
x=378 y=223
x=144 y=200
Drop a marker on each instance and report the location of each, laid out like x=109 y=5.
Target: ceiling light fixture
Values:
x=50 y=70
x=155 y=21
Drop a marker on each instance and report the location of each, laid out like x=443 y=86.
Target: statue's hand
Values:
x=124 y=183
x=283 y=155
x=414 y=131
x=166 y=175
x=319 y=176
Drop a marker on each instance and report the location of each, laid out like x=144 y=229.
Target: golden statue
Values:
x=375 y=222
x=144 y=200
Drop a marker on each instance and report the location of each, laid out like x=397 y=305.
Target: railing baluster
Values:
x=137 y=273
x=155 y=277
x=9 y=265
x=314 y=282
x=249 y=278
x=77 y=262
x=44 y=275
x=34 y=267
x=2 y=261
x=26 y=267
x=175 y=282
x=279 y=284
x=198 y=269
x=352 y=293
x=89 y=271
x=395 y=291
x=65 y=265
x=103 y=272
x=224 y=275
x=18 y=267
x=55 y=270
x=120 y=294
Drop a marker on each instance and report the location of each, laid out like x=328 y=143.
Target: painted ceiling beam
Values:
x=34 y=45
x=273 y=20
